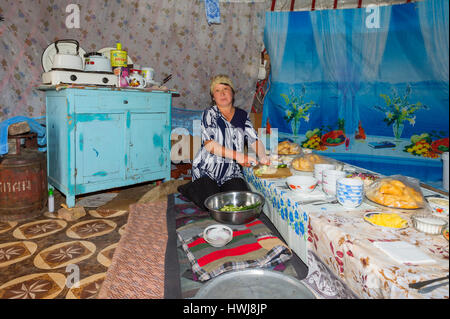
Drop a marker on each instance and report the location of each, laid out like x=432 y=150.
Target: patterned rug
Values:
x=138 y=266
x=43 y=257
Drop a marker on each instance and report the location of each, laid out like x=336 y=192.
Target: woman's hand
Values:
x=245 y=160
x=265 y=160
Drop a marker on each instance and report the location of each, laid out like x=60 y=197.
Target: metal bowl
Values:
x=238 y=198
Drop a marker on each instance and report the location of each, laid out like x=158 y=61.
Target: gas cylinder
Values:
x=23 y=184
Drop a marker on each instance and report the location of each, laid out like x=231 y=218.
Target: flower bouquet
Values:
x=398 y=110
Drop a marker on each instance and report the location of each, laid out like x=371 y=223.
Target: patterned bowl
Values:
x=302 y=184
x=349 y=192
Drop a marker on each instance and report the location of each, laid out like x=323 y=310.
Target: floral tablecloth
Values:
x=344 y=243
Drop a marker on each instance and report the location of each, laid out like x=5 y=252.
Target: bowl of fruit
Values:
x=333 y=138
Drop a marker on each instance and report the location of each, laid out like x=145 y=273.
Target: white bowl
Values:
x=429 y=224
x=319 y=168
x=439 y=205
x=302 y=184
x=218 y=235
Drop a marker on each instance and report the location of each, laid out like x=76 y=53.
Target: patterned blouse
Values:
x=231 y=135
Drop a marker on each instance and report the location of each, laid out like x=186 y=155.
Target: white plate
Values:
x=368 y=215
x=107 y=53
x=64 y=48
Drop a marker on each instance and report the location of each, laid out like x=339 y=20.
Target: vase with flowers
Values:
x=297 y=109
x=398 y=110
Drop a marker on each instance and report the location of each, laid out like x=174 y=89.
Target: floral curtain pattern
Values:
x=172 y=36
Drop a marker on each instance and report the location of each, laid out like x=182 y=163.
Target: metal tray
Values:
x=254 y=284
x=385 y=227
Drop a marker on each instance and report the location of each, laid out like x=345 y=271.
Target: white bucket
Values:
x=445 y=170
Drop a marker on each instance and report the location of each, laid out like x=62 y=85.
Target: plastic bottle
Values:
x=51 y=201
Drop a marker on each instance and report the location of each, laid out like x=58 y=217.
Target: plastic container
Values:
x=51 y=201
x=119 y=57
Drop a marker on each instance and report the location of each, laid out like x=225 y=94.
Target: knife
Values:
x=166 y=79
x=428 y=289
x=421 y=284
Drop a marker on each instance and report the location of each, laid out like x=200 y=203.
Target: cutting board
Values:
x=280 y=173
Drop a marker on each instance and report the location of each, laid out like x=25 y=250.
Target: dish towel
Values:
x=403 y=252
x=34 y=127
x=252 y=246
x=212 y=11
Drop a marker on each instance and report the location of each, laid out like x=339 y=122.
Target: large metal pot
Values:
x=238 y=198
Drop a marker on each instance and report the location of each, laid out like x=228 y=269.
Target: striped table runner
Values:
x=253 y=246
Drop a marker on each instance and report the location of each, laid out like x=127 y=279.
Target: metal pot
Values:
x=66 y=60
x=238 y=198
x=96 y=62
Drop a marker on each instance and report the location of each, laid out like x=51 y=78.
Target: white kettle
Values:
x=66 y=60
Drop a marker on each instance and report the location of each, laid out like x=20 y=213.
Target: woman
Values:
x=224 y=130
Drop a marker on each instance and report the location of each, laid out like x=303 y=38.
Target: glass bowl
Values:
x=429 y=224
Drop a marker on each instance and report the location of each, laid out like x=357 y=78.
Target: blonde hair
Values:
x=220 y=79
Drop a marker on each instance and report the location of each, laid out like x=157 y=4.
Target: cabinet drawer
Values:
x=115 y=101
x=130 y=101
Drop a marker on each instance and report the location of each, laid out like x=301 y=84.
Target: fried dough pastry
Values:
x=307 y=162
x=288 y=148
x=394 y=193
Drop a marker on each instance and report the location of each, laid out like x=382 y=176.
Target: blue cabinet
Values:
x=101 y=138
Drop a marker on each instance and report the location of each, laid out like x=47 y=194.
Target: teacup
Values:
x=349 y=192
x=319 y=168
x=148 y=74
x=329 y=179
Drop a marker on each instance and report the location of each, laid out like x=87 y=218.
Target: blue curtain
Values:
x=375 y=78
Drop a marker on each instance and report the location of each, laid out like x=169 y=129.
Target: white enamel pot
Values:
x=96 y=62
x=67 y=60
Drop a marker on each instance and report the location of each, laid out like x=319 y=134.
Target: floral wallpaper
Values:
x=171 y=36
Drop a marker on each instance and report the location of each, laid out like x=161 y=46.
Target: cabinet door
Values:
x=100 y=147
x=148 y=143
